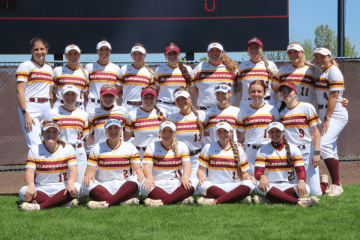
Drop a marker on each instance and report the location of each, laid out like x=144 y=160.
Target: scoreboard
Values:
x=191 y=24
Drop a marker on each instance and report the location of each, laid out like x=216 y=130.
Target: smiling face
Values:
x=39 y=51
x=172 y=57
x=72 y=56
x=51 y=135
x=148 y=101
x=107 y=99
x=276 y=135
x=223 y=98
x=104 y=53
x=288 y=95
x=255 y=50
x=183 y=104
x=215 y=55
x=69 y=98
x=113 y=132
x=296 y=57
x=256 y=92
x=223 y=135
x=322 y=61
x=167 y=135
x=138 y=57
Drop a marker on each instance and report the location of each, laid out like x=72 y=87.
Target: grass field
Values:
x=333 y=218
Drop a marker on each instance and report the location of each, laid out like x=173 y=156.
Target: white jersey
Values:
x=74 y=124
x=98 y=116
x=221 y=164
x=215 y=114
x=303 y=78
x=298 y=122
x=113 y=163
x=273 y=163
x=250 y=71
x=53 y=167
x=133 y=80
x=207 y=77
x=254 y=123
x=330 y=80
x=38 y=79
x=100 y=75
x=165 y=164
x=64 y=75
x=187 y=130
x=145 y=125
x=169 y=79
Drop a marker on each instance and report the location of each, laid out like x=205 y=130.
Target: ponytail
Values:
x=199 y=123
x=185 y=73
x=160 y=114
x=61 y=142
x=268 y=70
x=174 y=146
x=236 y=153
x=229 y=63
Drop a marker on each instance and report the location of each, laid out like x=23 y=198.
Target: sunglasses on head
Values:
x=221 y=87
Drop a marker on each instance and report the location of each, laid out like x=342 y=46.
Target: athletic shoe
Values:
x=189 y=200
x=328 y=189
x=96 y=204
x=72 y=203
x=131 y=201
x=308 y=202
x=336 y=190
x=258 y=199
x=29 y=206
x=206 y=201
x=324 y=178
x=246 y=200
x=153 y=203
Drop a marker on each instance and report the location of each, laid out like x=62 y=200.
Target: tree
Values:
x=324 y=36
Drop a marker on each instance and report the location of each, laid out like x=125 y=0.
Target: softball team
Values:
x=171 y=152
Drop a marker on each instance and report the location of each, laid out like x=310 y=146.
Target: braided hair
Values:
x=290 y=159
x=161 y=115
x=184 y=71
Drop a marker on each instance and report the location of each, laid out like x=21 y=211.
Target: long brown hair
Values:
x=43 y=41
x=228 y=62
x=268 y=70
x=159 y=112
x=290 y=159
x=185 y=73
x=145 y=65
x=333 y=62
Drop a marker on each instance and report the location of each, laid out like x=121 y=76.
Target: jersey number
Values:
x=301 y=133
x=234 y=175
x=197 y=138
x=177 y=173
x=62 y=177
x=126 y=174
x=325 y=96
x=304 y=92
x=265 y=133
x=291 y=176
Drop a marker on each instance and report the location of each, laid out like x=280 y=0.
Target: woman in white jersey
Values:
x=144 y=122
x=280 y=170
x=171 y=76
x=167 y=170
x=220 y=68
x=253 y=120
x=257 y=68
x=134 y=77
x=50 y=172
x=34 y=89
x=99 y=115
x=113 y=158
x=189 y=127
x=72 y=73
x=101 y=72
x=74 y=125
x=301 y=129
x=329 y=90
x=227 y=179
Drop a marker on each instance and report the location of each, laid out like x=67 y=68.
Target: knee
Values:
x=22 y=193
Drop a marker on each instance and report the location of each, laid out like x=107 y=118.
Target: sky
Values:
x=304 y=17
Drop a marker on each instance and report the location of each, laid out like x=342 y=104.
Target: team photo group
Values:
x=157 y=146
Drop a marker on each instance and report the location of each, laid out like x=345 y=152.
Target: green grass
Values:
x=333 y=218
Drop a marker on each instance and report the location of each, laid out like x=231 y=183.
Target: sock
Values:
x=57 y=200
x=291 y=192
x=333 y=166
x=275 y=195
x=234 y=195
x=158 y=193
x=323 y=187
x=126 y=191
x=179 y=194
x=214 y=192
x=99 y=193
x=40 y=197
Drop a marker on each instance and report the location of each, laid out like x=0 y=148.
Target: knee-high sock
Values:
x=57 y=200
x=291 y=192
x=214 y=192
x=234 y=195
x=126 y=191
x=275 y=195
x=40 y=197
x=158 y=193
x=333 y=166
x=179 y=194
x=99 y=193
x=323 y=187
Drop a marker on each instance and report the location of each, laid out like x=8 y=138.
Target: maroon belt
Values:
x=203 y=108
x=95 y=100
x=195 y=152
x=134 y=103
x=38 y=99
x=141 y=148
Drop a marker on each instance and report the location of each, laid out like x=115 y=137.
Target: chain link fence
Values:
x=13 y=150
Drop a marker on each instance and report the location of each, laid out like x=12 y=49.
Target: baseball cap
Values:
x=138 y=49
x=289 y=85
x=255 y=40
x=112 y=121
x=322 y=51
x=70 y=88
x=168 y=124
x=184 y=94
x=72 y=47
x=48 y=125
x=215 y=45
x=222 y=88
x=108 y=90
x=102 y=44
x=172 y=48
x=277 y=125
x=294 y=46
x=149 y=90
x=223 y=125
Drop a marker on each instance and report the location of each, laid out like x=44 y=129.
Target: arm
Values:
x=149 y=181
x=30 y=192
x=90 y=138
x=89 y=175
x=201 y=174
x=241 y=138
x=185 y=178
x=301 y=188
x=20 y=89
x=119 y=91
x=193 y=90
x=127 y=135
x=329 y=111
x=70 y=184
x=86 y=96
x=137 y=169
x=275 y=87
x=316 y=137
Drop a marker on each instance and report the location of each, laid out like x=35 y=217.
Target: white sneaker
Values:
x=246 y=200
x=206 y=201
x=96 y=204
x=72 y=203
x=189 y=200
x=29 y=206
x=328 y=189
x=258 y=199
x=324 y=178
x=336 y=190
x=153 y=203
x=308 y=202
x=131 y=201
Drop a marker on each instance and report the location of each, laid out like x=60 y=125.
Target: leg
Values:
x=100 y=193
x=57 y=200
x=158 y=194
x=214 y=192
x=275 y=195
x=235 y=195
x=126 y=191
x=179 y=194
x=312 y=174
x=33 y=138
